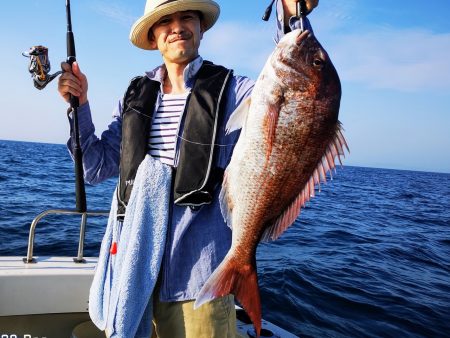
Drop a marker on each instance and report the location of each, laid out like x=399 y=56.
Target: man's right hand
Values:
x=73 y=82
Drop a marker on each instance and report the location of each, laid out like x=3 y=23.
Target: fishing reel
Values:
x=40 y=66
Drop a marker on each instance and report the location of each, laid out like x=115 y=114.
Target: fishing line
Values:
x=206 y=144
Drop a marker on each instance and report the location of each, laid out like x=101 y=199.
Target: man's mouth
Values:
x=179 y=38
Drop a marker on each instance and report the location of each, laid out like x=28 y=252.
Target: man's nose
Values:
x=177 y=26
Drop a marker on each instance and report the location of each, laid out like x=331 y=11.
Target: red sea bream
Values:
x=289 y=140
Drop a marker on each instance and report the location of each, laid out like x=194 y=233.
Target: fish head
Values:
x=302 y=65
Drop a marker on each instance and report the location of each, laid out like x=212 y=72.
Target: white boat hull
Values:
x=49 y=299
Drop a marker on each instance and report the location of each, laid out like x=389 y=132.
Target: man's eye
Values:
x=163 y=21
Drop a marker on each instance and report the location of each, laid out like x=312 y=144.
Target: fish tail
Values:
x=241 y=280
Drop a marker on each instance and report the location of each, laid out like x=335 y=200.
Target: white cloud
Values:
x=404 y=60
x=118 y=13
x=375 y=56
x=408 y=60
x=243 y=47
x=381 y=56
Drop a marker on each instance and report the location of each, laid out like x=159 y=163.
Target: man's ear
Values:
x=153 y=44
x=202 y=29
x=151 y=39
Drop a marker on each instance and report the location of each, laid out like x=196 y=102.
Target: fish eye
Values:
x=318 y=63
x=319 y=59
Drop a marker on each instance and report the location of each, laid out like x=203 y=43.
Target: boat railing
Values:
x=84 y=215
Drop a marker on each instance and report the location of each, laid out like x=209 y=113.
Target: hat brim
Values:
x=139 y=31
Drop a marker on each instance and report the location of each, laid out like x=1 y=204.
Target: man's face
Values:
x=177 y=36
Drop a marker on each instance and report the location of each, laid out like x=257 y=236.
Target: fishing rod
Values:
x=301 y=12
x=40 y=69
x=80 y=192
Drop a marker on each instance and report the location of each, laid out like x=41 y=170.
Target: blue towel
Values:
x=120 y=297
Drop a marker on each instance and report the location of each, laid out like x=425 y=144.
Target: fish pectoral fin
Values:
x=239 y=116
x=226 y=206
x=271 y=124
x=241 y=280
x=325 y=166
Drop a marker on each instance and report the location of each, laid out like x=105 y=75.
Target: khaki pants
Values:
x=215 y=319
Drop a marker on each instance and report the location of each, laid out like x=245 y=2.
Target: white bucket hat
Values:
x=156 y=9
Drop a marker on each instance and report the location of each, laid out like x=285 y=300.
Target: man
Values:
x=187 y=102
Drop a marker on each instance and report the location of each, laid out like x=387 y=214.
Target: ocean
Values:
x=368 y=257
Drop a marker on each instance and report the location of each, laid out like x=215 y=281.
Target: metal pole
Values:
x=30 y=259
x=79 y=258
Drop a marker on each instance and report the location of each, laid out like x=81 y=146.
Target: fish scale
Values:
x=289 y=140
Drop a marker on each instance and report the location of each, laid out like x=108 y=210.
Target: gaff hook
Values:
x=40 y=66
x=301 y=12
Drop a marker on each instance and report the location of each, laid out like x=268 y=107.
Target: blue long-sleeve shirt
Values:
x=197 y=239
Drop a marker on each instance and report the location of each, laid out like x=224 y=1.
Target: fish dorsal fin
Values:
x=239 y=116
x=325 y=166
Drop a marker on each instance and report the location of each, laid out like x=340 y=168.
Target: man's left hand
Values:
x=290 y=7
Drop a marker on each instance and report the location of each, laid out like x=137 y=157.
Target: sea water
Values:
x=368 y=257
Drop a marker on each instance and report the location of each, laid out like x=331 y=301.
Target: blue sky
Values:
x=393 y=58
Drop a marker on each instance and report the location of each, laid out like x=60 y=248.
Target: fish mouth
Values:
x=302 y=36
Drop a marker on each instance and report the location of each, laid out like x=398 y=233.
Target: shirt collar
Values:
x=192 y=68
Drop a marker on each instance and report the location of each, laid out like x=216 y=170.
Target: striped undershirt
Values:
x=163 y=132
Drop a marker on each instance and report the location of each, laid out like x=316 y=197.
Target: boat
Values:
x=47 y=296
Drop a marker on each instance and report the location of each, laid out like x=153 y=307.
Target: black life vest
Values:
x=195 y=176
